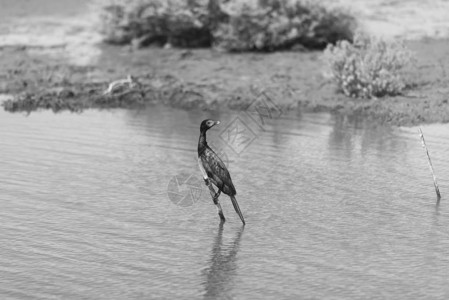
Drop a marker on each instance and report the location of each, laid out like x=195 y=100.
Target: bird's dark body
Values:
x=217 y=172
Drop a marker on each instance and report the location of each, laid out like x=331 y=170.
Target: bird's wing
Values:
x=217 y=171
x=203 y=172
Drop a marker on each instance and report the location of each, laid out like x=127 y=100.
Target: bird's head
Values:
x=207 y=124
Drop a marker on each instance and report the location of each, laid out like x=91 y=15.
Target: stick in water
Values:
x=437 y=190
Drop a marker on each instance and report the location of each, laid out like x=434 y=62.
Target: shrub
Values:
x=368 y=67
x=235 y=25
x=180 y=23
x=276 y=24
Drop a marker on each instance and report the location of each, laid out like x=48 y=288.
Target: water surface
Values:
x=94 y=206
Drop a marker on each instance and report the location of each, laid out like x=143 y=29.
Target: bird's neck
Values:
x=202 y=144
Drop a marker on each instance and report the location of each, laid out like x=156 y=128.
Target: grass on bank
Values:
x=369 y=67
x=234 y=25
x=143 y=90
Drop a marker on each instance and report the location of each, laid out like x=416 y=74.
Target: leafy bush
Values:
x=368 y=67
x=235 y=25
x=276 y=24
x=180 y=23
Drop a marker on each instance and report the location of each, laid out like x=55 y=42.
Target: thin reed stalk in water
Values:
x=437 y=190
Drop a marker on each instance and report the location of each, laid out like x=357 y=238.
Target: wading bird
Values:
x=215 y=171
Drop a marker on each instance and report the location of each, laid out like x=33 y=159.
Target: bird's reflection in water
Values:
x=222 y=266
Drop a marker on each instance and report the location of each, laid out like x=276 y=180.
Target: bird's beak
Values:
x=217 y=122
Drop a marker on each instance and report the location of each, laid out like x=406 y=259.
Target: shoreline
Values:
x=207 y=79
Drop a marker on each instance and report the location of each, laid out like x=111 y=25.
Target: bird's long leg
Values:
x=220 y=212
x=218 y=205
x=215 y=196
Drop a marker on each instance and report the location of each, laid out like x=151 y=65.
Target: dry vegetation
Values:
x=368 y=67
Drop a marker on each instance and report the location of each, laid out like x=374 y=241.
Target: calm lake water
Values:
x=110 y=205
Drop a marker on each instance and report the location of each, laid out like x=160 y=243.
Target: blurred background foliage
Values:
x=360 y=65
x=232 y=25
